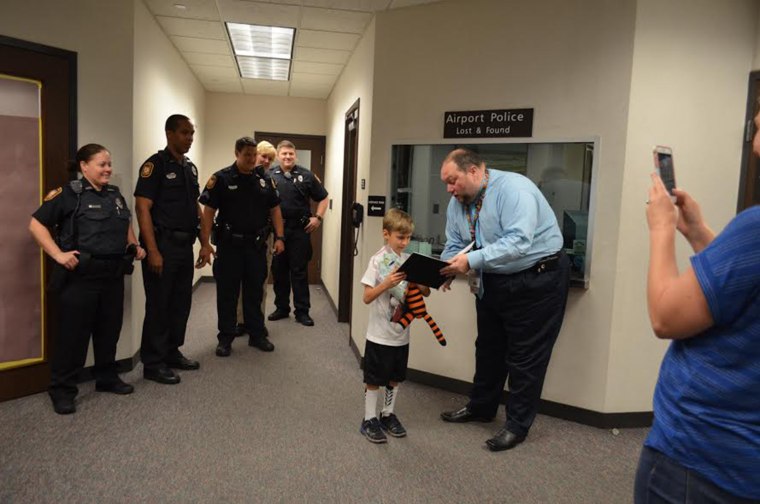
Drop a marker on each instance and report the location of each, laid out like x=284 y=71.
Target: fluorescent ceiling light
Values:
x=262 y=52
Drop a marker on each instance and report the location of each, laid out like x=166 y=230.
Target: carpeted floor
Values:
x=283 y=427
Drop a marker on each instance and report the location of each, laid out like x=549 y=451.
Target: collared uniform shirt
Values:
x=515 y=228
x=102 y=218
x=243 y=200
x=173 y=188
x=297 y=190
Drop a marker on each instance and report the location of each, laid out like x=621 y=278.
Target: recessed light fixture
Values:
x=180 y=6
x=262 y=52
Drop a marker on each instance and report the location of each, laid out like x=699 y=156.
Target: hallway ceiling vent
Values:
x=262 y=52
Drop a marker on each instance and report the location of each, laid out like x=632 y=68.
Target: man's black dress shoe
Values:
x=463 y=415
x=184 y=363
x=239 y=330
x=161 y=375
x=63 y=405
x=223 y=350
x=303 y=318
x=504 y=440
x=115 y=386
x=261 y=342
x=278 y=315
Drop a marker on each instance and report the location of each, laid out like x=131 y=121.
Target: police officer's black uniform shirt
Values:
x=102 y=218
x=243 y=200
x=173 y=188
x=295 y=191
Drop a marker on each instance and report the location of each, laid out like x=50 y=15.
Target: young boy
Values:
x=387 y=348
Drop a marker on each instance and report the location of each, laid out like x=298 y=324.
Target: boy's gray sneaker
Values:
x=392 y=426
x=373 y=431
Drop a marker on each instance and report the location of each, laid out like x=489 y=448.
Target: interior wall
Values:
x=355 y=83
x=163 y=85
x=689 y=92
x=571 y=62
x=101 y=35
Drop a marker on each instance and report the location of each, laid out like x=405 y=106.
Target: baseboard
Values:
x=329 y=298
x=203 y=279
x=122 y=366
x=550 y=408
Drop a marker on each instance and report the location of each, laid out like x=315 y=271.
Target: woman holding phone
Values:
x=704 y=445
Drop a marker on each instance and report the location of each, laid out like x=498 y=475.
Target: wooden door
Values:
x=310 y=153
x=347 y=229
x=749 y=182
x=38 y=131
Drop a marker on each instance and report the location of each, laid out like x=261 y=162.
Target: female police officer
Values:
x=93 y=249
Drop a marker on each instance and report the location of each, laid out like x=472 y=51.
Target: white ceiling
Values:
x=327 y=32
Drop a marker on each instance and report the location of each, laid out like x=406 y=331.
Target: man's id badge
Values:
x=473 y=280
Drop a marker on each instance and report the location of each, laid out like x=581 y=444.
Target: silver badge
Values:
x=171 y=176
x=263 y=184
x=300 y=178
x=119 y=203
x=195 y=170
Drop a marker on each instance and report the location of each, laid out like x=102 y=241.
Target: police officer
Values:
x=297 y=186
x=93 y=249
x=166 y=200
x=246 y=199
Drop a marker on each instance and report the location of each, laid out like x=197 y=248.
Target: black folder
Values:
x=424 y=270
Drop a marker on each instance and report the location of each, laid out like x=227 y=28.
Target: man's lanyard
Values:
x=473 y=210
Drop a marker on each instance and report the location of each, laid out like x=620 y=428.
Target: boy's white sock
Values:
x=390 y=399
x=370 y=403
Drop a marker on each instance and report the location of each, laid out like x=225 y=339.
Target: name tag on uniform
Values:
x=232 y=187
x=171 y=176
x=93 y=206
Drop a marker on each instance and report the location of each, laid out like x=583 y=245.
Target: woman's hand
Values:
x=662 y=214
x=68 y=260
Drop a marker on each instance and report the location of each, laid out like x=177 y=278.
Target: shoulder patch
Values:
x=211 y=182
x=52 y=194
x=146 y=170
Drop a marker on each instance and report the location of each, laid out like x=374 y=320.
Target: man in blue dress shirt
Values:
x=520 y=277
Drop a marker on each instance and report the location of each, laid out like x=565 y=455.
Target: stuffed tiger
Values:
x=414 y=307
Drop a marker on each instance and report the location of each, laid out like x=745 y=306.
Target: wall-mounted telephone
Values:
x=357 y=214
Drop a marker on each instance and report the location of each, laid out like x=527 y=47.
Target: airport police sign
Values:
x=488 y=123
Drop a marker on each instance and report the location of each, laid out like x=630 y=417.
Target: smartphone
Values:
x=663 y=162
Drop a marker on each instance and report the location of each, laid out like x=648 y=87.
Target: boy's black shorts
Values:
x=384 y=364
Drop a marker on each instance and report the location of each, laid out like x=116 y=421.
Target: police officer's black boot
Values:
x=63 y=405
x=261 y=342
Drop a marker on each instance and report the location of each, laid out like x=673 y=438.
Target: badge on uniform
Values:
x=195 y=171
x=171 y=176
x=147 y=170
x=300 y=178
x=52 y=194
x=263 y=184
x=119 y=204
x=211 y=182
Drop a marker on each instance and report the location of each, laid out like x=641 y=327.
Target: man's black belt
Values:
x=548 y=263
x=180 y=236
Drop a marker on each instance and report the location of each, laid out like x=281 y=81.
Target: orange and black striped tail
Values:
x=406 y=319
x=436 y=330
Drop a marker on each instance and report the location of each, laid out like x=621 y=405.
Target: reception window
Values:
x=562 y=171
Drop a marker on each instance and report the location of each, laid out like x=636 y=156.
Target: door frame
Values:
x=750 y=164
x=347 y=230
x=318 y=168
x=57 y=70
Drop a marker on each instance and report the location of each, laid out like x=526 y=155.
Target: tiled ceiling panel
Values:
x=191 y=27
x=335 y=20
x=327 y=33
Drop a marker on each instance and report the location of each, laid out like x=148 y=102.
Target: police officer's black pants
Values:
x=236 y=264
x=519 y=318
x=291 y=269
x=167 y=304
x=87 y=307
